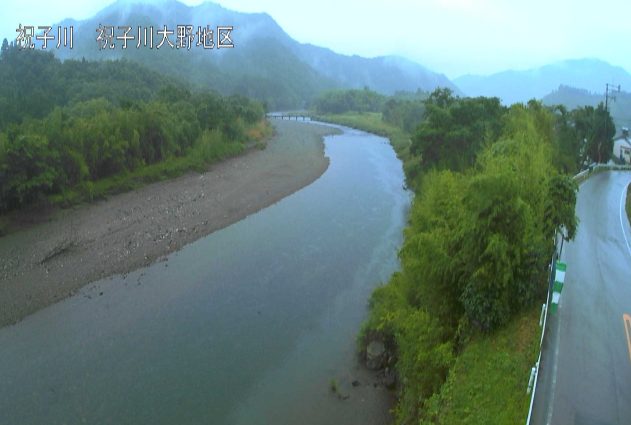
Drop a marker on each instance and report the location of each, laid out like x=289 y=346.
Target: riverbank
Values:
x=486 y=375
x=51 y=260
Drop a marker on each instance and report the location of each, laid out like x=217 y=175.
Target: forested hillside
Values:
x=570 y=97
x=265 y=63
x=65 y=127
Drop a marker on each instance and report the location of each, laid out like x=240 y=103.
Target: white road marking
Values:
x=621 y=220
x=555 y=357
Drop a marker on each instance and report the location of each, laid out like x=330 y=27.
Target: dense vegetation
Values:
x=33 y=82
x=585 y=134
x=486 y=383
x=573 y=98
x=340 y=101
x=454 y=130
x=491 y=188
x=475 y=252
x=402 y=110
x=66 y=127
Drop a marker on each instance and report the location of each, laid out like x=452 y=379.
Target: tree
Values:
x=340 y=101
x=560 y=206
x=432 y=255
x=65 y=124
x=454 y=129
x=568 y=143
x=5 y=47
x=476 y=241
x=405 y=114
x=29 y=168
x=441 y=97
x=600 y=142
x=498 y=278
x=595 y=128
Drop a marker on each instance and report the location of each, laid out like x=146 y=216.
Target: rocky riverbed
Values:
x=46 y=262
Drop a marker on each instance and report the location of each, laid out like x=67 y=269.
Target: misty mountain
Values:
x=384 y=74
x=571 y=97
x=521 y=86
x=266 y=63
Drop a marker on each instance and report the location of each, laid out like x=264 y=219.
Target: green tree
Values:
x=560 y=206
x=29 y=170
x=340 y=101
x=594 y=128
x=63 y=125
x=497 y=281
x=5 y=47
x=600 y=142
x=454 y=129
x=432 y=255
x=567 y=156
x=405 y=114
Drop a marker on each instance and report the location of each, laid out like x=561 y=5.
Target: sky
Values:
x=454 y=37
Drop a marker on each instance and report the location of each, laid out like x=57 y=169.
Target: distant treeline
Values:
x=403 y=109
x=64 y=126
x=572 y=98
x=492 y=184
x=447 y=131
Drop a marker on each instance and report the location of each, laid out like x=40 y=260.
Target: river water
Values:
x=248 y=325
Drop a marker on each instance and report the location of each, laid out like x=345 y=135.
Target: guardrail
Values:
x=534 y=375
x=597 y=168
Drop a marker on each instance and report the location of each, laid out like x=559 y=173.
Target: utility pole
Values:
x=608 y=88
x=612 y=88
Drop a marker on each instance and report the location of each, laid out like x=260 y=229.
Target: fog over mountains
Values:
x=520 y=86
x=268 y=64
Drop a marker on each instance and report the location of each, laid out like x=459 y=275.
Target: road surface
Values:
x=585 y=374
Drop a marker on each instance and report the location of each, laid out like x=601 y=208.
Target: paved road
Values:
x=585 y=375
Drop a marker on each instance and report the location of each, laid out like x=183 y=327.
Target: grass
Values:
x=628 y=202
x=372 y=122
x=333 y=386
x=487 y=384
x=259 y=133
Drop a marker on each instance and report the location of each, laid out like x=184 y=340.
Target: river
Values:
x=248 y=325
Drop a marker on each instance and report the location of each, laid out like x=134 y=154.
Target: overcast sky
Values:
x=454 y=37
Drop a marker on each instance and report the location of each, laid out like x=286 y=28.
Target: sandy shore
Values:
x=49 y=261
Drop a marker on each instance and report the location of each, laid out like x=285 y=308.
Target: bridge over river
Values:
x=298 y=116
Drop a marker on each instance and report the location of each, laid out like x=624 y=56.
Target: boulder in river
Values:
x=376 y=355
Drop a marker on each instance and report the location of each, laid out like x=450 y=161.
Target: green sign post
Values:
x=557 y=286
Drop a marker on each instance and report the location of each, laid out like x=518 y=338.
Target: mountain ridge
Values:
x=520 y=86
x=266 y=63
